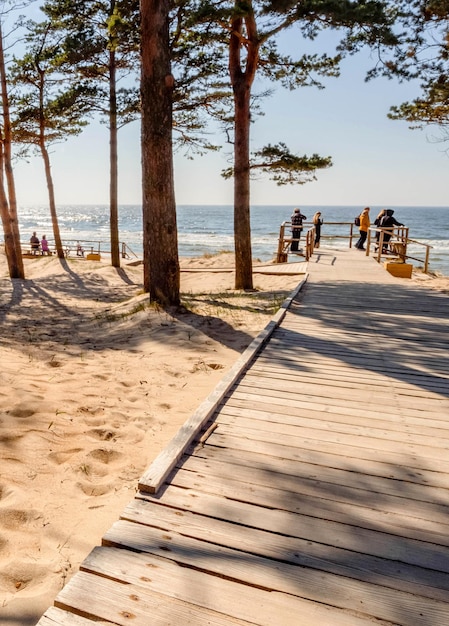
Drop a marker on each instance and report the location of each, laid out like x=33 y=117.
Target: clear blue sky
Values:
x=376 y=161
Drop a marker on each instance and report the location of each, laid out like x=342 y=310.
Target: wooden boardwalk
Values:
x=320 y=495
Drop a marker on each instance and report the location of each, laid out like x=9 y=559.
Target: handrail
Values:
x=80 y=246
x=284 y=242
x=398 y=241
x=126 y=251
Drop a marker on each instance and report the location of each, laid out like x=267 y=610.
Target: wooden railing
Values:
x=284 y=244
x=397 y=245
x=79 y=248
x=285 y=240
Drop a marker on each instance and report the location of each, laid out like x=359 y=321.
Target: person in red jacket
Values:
x=363 y=228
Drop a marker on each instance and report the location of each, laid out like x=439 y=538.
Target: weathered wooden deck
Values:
x=321 y=493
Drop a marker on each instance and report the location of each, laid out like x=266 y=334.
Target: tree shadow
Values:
x=381 y=328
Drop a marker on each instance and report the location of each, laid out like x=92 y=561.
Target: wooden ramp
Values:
x=319 y=495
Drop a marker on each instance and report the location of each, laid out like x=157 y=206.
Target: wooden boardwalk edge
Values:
x=166 y=461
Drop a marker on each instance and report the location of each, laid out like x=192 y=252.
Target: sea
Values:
x=208 y=229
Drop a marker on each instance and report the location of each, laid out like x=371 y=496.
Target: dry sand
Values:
x=93 y=384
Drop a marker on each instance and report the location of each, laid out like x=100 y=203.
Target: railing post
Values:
x=281 y=256
x=380 y=245
x=310 y=239
x=426 y=261
x=368 y=243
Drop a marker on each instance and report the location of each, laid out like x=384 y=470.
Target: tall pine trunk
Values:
x=51 y=200
x=47 y=168
x=242 y=80
x=8 y=200
x=160 y=238
x=113 y=156
x=242 y=225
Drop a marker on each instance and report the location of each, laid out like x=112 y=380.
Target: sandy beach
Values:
x=94 y=383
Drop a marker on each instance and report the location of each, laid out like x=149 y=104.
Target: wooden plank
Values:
x=125 y=604
x=372 y=354
x=338 y=440
x=251 y=420
x=292 y=501
x=342 y=342
x=397 y=523
x=266 y=475
x=326 y=466
x=58 y=617
x=431 y=365
x=321 y=367
x=334 y=413
x=420 y=327
x=344 y=593
x=339 y=404
x=429 y=429
x=255 y=605
x=164 y=463
x=349 y=455
x=347 y=381
x=297 y=546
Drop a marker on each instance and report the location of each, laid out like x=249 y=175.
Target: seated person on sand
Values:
x=34 y=243
x=44 y=246
x=79 y=249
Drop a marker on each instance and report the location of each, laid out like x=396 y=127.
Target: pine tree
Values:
x=161 y=264
x=8 y=199
x=49 y=106
x=101 y=46
x=423 y=54
x=246 y=33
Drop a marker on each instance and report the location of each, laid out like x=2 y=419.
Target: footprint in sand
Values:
x=129 y=433
x=62 y=457
x=103 y=434
x=18 y=575
x=95 y=468
x=91 y=410
x=93 y=489
x=54 y=363
x=18 y=519
x=103 y=455
x=22 y=410
x=9 y=437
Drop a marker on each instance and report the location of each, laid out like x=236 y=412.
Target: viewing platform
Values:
x=389 y=245
x=310 y=488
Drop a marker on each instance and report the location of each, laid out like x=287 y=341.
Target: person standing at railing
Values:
x=377 y=222
x=388 y=221
x=363 y=228
x=296 y=220
x=317 y=222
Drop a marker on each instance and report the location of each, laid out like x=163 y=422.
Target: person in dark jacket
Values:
x=296 y=220
x=34 y=243
x=388 y=221
x=377 y=222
